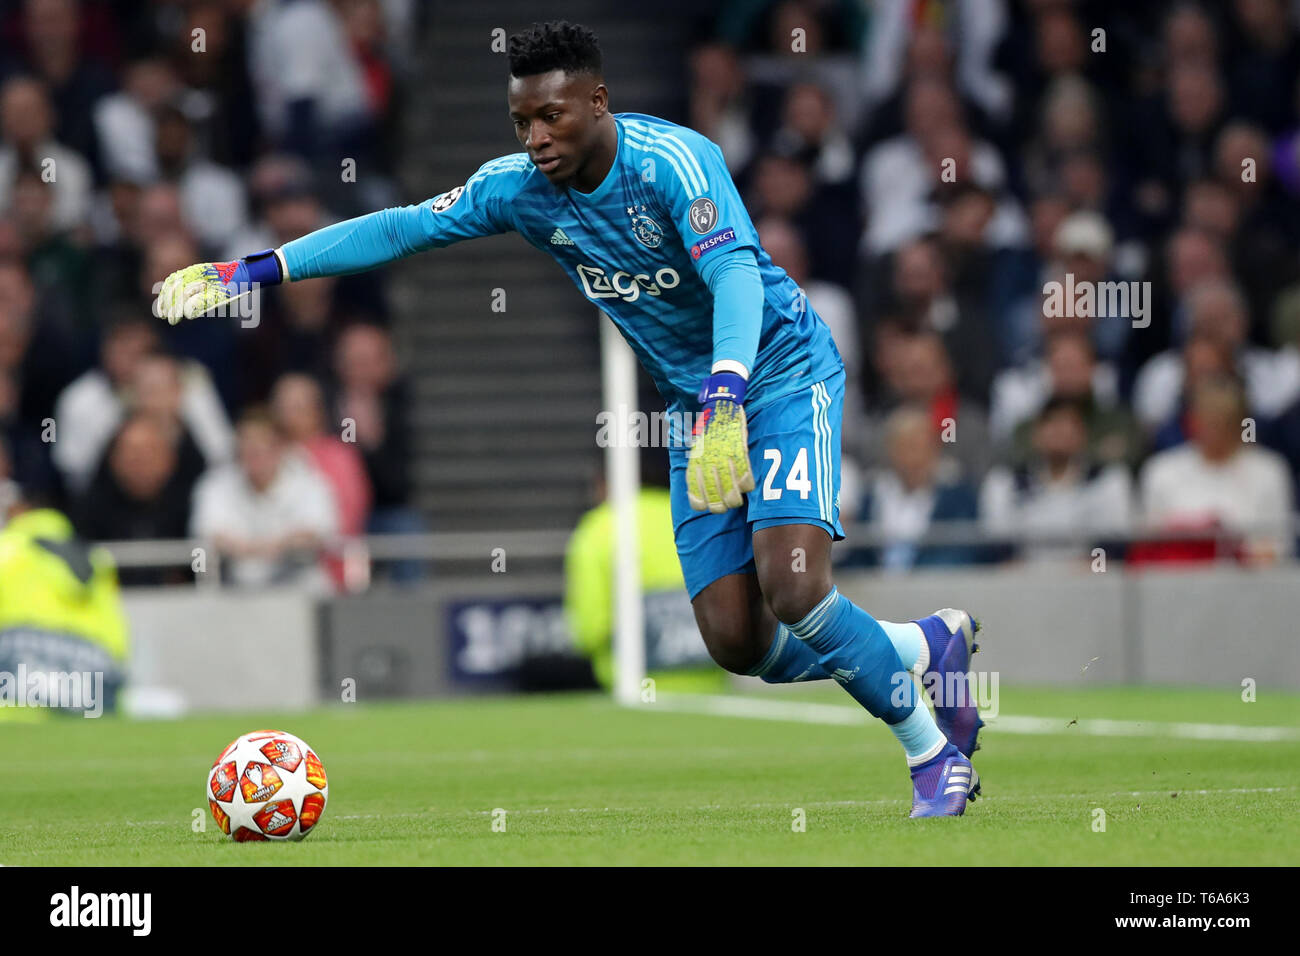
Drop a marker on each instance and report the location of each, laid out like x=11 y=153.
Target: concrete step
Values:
x=576 y=329
x=576 y=382
x=509 y=411
x=442 y=444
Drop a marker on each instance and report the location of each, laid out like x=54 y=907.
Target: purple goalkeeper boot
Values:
x=950 y=637
x=941 y=786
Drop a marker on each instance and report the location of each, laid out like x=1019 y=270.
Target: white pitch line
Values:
x=1098 y=727
x=805 y=712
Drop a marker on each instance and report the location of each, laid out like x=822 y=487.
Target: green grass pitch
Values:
x=585 y=782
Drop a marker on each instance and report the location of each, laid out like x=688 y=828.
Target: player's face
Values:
x=555 y=115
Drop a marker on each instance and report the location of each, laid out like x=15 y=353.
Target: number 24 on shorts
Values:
x=796 y=480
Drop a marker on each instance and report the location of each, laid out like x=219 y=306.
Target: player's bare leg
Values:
x=735 y=622
x=793 y=562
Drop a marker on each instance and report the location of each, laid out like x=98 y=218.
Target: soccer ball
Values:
x=267 y=785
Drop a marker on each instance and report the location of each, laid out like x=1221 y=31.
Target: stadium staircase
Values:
x=506 y=402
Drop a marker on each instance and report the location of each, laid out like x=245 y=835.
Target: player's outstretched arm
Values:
x=354 y=245
x=479 y=208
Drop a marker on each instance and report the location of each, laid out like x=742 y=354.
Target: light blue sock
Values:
x=909 y=640
x=919 y=735
x=788 y=661
x=853 y=648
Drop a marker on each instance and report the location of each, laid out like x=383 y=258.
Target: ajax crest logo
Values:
x=647 y=232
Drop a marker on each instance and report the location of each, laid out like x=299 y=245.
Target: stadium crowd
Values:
x=927 y=169
x=131 y=145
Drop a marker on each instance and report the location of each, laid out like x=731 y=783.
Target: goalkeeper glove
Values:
x=190 y=292
x=717 y=469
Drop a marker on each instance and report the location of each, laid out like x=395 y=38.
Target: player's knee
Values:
x=730 y=642
x=791 y=595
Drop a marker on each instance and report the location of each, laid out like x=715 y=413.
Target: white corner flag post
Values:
x=623 y=480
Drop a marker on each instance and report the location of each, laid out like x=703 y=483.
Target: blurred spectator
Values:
x=1264 y=62
x=765 y=24
x=1262 y=259
x=124 y=120
x=921 y=375
x=299 y=411
x=1217 y=310
x=27 y=125
x=1045 y=43
x=811 y=132
x=1281 y=433
x=36 y=355
x=27 y=459
x=1070 y=122
x=140 y=493
x=899 y=175
x=371 y=394
x=90 y=409
x=1060 y=492
x=312 y=96
x=1085 y=244
x=212 y=196
x=1190 y=36
x=924 y=301
x=909 y=494
x=221 y=94
x=368 y=25
x=73 y=75
x=1081 y=254
x=1219 y=481
x=160 y=391
x=1068 y=370
x=783 y=187
x=1204 y=357
x=285 y=204
x=969 y=262
x=59 y=267
x=299 y=326
x=719 y=105
x=117 y=250
x=1171 y=138
x=1262 y=247
x=1016 y=285
x=909 y=39
x=271 y=514
x=1190 y=256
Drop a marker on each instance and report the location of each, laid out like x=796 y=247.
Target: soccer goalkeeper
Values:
x=644 y=216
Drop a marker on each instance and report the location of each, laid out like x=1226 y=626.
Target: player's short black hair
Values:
x=554 y=45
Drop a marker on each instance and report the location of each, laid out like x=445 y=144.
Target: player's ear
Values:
x=599 y=100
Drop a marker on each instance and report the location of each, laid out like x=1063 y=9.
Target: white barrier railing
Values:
x=360 y=554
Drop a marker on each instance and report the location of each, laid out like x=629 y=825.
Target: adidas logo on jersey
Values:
x=558 y=238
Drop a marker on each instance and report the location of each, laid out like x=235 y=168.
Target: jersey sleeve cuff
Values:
x=730 y=365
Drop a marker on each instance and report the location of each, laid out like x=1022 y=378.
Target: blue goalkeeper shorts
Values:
x=794 y=451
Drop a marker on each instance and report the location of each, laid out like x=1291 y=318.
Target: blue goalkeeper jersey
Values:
x=639 y=246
